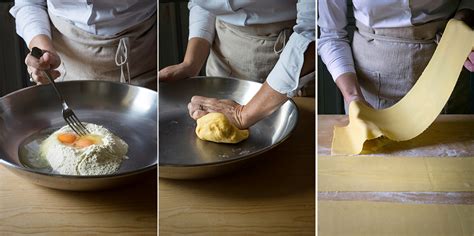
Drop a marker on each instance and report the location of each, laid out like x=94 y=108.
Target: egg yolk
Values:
x=79 y=141
x=67 y=138
x=83 y=142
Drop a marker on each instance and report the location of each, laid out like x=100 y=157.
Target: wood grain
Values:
x=30 y=209
x=466 y=198
x=275 y=196
x=401 y=188
x=382 y=218
x=369 y=173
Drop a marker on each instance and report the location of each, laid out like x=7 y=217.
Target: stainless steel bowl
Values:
x=183 y=156
x=128 y=111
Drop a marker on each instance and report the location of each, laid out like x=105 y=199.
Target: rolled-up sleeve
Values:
x=201 y=22
x=333 y=43
x=31 y=19
x=285 y=76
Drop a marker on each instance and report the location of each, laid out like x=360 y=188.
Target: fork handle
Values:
x=37 y=53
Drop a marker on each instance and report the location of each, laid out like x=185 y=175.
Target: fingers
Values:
x=165 y=74
x=198 y=114
x=38 y=76
x=175 y=72
x=46 y=62
x=52 y=59
x=211 y=105
x=36 y=63
x=200 y=106
x=205 y=101
x=196 y=110
x=469 y=63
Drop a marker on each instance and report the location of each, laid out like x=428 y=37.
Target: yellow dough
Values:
x=395 y=174
x=394 y=218
x=421 y=105
x=215 y=127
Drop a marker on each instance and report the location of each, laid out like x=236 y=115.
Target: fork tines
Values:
x=75 y=124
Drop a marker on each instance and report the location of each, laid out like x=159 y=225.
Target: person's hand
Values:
x=469 y=63
x=196 y=54
x=48 y=62
x=359 y=98
x=467 y=15
x=177 y=72
x=200 y=106
x=350 y=89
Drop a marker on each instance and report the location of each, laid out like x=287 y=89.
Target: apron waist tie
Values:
x=121 y=59
x=280 y=42
x=426 y=33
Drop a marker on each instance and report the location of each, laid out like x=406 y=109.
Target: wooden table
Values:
x=276 y=196
x=26 y=208
x=424 y=186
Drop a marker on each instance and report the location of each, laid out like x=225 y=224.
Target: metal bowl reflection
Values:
x=126 y=110
x=183 y=156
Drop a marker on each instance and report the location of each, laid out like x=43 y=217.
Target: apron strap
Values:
x=121 y=59
x=280 y=42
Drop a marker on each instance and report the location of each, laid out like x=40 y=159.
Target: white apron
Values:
x=389 y=61
x=250 y=52
x=130 y=56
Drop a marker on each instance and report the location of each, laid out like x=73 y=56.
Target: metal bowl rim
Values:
x=21 y=168
x=72 y=82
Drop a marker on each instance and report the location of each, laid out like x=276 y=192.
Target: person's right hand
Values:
x=201 y=106
x=350 y=89
x=48 y=62
x=177 y=72
x=359 y=98
x=469 y=63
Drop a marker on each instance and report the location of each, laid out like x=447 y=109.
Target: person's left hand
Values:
x=469 y=63
x=200 y=106
x=177 y=72
x=467 y=15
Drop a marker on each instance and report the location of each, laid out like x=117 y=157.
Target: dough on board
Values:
x=215 y=127
x=419 y=107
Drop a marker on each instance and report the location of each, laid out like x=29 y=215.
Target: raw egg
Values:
x=67 y=138
x=79 y=141
x=87 y=140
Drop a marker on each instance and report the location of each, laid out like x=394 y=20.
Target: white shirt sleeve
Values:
x=285 y=76
x=31 y=19
x=201 y=22
x=333 y=43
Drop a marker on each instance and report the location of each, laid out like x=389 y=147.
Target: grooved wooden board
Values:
x=382 y=218
x=275 y=196
x=26 y=208
x=424 y=186
x=448 y=136
x=370 y=173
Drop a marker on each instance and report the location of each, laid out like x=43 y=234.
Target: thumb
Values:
x=51 y=60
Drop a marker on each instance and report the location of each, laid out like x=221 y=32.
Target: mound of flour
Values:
x=98 y=159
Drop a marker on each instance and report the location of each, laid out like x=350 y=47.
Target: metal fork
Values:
x=68 y=115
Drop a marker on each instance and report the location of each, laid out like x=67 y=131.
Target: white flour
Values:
x=98 y=159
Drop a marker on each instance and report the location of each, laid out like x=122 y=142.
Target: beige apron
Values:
x=389 y=61
x=128 y=57
x=249 y=52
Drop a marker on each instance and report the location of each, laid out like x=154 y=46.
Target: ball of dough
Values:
x=215 y=127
